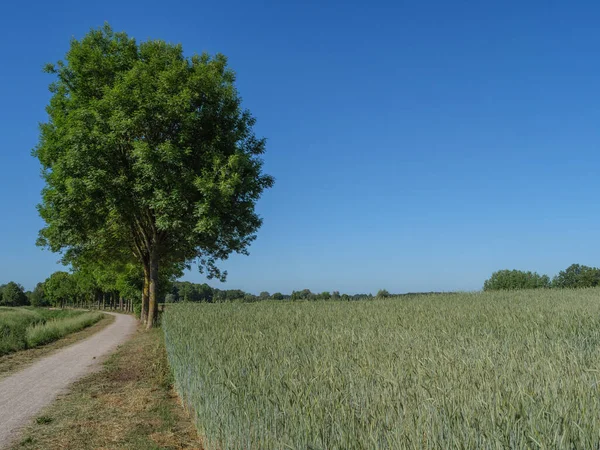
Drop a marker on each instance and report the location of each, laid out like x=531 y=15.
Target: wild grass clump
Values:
x=54 y=329
x=13 y=325
x=16 y=322
x=483 y=370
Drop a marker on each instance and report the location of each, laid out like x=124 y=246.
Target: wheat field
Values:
x=475 y=370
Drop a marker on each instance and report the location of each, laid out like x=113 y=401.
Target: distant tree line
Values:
x=101 y=288
x=574 y=276
x=107 y=289
x=182 y=291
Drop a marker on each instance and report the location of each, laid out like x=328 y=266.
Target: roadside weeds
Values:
x=13 y=362
x=130 y=404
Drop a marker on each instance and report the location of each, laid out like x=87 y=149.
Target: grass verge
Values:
x=53 y=330
x=16 y=361
x=130 y=404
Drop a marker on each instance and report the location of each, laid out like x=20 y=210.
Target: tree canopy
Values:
x=148 y=150
x=577 y=276
x=574 y=276
x=515 y=279
x=13 y=294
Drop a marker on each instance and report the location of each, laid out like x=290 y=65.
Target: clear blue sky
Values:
x=416 y=145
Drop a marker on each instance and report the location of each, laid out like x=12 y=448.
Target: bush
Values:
x=509 y=280
x=382 y=293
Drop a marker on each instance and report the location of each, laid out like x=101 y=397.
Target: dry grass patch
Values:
x=130 y=404
x=14 y=362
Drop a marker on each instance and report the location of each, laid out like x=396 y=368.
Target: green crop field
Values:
x=484 y=370
x=22 y=328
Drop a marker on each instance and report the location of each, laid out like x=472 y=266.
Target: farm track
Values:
x=25 y=393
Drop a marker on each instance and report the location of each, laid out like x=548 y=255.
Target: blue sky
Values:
x=416 y=145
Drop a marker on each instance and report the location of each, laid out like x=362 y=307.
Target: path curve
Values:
x=25 y=393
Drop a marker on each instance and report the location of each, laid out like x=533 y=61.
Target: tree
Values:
x=515 y=279
x=38 y=297
x=13 y=295
x=335 y=295
x=59 y=288
x=151 y=150
x=304 y=294
x=382 y=293
x=277 y=296
x=577 y=276
x=264 y=295
x=325 y=295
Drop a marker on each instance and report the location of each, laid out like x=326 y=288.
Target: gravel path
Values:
x=25 y=393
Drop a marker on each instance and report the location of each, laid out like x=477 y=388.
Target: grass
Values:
x=482 y=370
x=130 y=404
x=15 y=361
x=51 y=330
x=22 y=328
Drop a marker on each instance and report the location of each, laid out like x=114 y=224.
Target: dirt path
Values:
x=25 y=393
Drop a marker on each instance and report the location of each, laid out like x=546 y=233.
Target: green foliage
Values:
x=277 y=296
x=38 y=296
x=304 y=294
x=60 y=287
x=52 y=330
x=148 y=152
x=515 y=279
x=485 y=370
x=184 y=291
x=577 y=276
x=13 y=295
x=382 y=293
x=15 y=324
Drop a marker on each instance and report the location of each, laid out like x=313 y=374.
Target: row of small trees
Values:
x=574 y=276
x=77 y=289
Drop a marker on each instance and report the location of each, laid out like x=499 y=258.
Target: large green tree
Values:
x=147 y=148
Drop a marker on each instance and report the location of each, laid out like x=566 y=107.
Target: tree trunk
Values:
x=145 y=295
x=153 y=300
